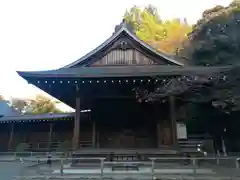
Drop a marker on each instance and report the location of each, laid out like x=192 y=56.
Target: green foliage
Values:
x=215 y=39
x=165 y=36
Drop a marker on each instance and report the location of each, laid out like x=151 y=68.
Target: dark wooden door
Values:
x=127 y=141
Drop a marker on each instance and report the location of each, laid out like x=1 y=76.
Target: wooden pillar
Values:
x=11 y=136
x=50 y=132
x=173 y=119
x=98 y=143
x=76 y=131
x=94 y=134
x=158 y=135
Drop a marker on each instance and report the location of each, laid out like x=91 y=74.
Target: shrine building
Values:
x=100 y=86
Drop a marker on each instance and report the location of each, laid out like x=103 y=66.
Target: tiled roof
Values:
x=37 y=117
x=7 y=110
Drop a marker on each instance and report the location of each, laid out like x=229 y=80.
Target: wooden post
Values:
x=98 y=144
x=76 y=131
x=61 y=168
x=158 y=135
x=173 y=119
x=50 y=132
x=50 y=135
x=94 y=135
x=11 y=136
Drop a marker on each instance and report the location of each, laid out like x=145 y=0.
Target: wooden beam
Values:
x=173 y=119
x=11 y=136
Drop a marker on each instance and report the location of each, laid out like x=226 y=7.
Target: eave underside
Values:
x=106 y=82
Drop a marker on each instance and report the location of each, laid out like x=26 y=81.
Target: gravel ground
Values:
x=8 y=170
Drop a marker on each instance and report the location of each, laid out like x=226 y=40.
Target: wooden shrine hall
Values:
x=103 y=82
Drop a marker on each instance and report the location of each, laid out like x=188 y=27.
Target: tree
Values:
x=42 y=105
x=148 y=26
x=215 y=39
x=2 y=98
x=19 y=104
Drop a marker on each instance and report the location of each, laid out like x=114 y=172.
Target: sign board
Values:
x=181 y=131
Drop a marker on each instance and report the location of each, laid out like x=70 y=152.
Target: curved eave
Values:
x=115 y=36
x=37 y=118
x=125 y=71
x=34 y=118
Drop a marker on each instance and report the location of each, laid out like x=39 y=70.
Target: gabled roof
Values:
x=116 y=35
x=6 y=110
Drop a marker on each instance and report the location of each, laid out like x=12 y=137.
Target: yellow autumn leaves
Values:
x=167 y=36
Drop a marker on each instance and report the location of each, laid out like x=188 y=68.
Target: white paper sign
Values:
x=181 y=131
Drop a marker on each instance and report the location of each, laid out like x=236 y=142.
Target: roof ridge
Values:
x=118 y=31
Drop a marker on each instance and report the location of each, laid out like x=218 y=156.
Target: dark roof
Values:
x=6 y=110
x=37 y=117
x=126 y=71
x=116 y=35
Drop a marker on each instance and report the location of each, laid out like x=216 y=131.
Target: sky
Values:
x=48 y=34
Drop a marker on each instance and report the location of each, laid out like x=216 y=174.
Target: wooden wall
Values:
x=108 y=135
x=124 y=57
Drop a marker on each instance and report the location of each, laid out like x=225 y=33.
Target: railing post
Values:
x=153 y=167
x=218 y=157
x=237 y=162
x=218 y=160
x=61 y=168
x=22 y=168
x=102 y=166
x=194 y=161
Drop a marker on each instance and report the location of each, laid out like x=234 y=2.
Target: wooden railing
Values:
x=190 y=144
x=54 y=145
x=151 y=163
